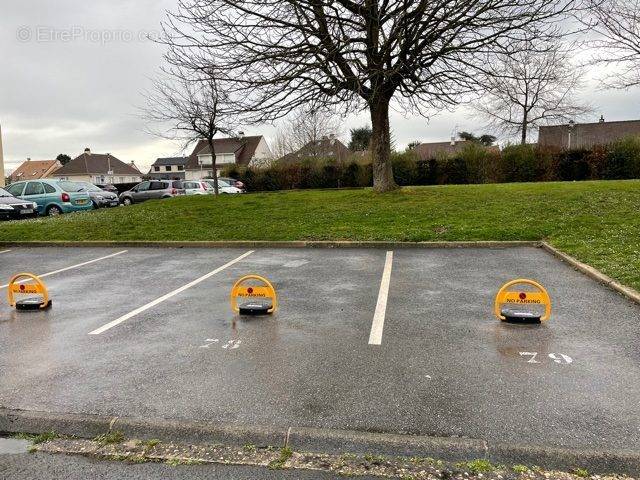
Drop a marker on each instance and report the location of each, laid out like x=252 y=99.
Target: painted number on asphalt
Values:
x=561 y=358
x=232 y=344
x=229 y=345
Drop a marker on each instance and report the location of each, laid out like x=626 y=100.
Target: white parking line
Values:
x=157 y=301
x=5 y=251
x=375 y=337
x=76 y=266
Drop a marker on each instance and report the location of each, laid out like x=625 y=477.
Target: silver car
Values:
x=152 y=189
x=99 y=197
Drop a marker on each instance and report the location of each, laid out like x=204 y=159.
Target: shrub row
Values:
x=474 y=164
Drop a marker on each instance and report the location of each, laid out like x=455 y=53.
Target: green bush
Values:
x=473 y=164
x=623 y=159
x=518 y=163
x=478 y=165
x=573 y=165
x=404 y=167
x=452 y=170
x=427 y=172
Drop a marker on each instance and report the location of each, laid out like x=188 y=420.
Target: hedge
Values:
x=473 y=164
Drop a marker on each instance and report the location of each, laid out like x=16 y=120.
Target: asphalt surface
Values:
x=42 y=466
x=445 y=367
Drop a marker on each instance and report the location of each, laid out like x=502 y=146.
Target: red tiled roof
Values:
x=34 y=169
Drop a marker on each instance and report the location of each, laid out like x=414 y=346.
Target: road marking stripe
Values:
x=375 y=337
x=5 y=251
x=75 y=266
x=155 y=302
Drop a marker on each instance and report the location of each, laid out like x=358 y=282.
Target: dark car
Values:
x=12 y=208
x=152 y=189
x=99 y=197
x=108 y=187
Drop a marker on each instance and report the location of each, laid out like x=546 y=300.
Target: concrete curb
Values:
x=592 y=273
x=321 y=440
x=90 y=426
x=278 y=244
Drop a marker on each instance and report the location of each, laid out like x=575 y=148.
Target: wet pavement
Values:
x=11 y=446
x=41 y=466
x=166 y=344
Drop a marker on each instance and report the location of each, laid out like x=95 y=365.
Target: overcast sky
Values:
x=72 y=74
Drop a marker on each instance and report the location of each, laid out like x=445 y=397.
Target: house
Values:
x=98 y=168
x=428 y=151
x=328 y=147
x=586 y=135
x=170 y=168
x=240 y=150
x=32 y=169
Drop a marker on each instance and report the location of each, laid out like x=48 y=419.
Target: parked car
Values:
x=152 y=189
x=192 y=187
x=99 y=197
x=12 y=208
x=53 y=197
x=234 y=183
x=223 y=186
x=107 y=187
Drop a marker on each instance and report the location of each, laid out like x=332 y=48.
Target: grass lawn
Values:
x=597 y=222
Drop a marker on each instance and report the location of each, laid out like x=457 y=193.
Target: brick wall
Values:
x=586 y=135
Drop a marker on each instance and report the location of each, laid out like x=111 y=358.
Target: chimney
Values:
x=601 y=119
x=240 y=135
x=87 y=151
x=453 y=141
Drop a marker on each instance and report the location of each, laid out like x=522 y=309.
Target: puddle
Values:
x=13 y=445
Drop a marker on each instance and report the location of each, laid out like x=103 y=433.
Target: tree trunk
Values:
x=214 y=171
x=525 y=124
x=381 y=146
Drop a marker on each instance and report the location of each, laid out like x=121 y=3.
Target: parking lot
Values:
x=149 y=333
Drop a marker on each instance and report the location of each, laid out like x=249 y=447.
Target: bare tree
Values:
x=282 y=143
x=303 y=129
x=414 y=55
x=533 y=87
x=190 y=108
x=309 y=127
x=617 y=23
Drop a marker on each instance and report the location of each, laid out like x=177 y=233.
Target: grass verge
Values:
x=596 y=222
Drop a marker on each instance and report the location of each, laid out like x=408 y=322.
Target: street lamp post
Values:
x=572 y=124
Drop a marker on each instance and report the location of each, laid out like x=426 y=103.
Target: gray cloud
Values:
x=72 y=74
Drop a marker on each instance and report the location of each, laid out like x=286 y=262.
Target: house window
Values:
x=167 y=168
x=121 y=179
x=180 y=168
x=156 y=169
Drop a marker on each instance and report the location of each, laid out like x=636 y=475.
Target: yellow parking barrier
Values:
x=34 y=286
x=519 y=297
x=262 y=298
